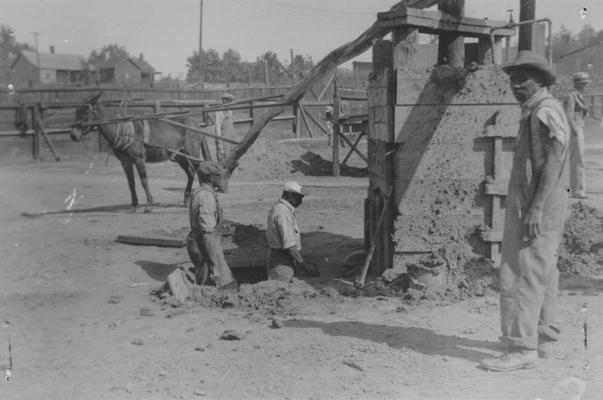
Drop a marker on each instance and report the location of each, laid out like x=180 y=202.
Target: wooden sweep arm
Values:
x=326 y=65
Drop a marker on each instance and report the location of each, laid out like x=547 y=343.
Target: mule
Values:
x=139 y=142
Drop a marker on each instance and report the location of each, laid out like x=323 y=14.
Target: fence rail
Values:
x=51 y=111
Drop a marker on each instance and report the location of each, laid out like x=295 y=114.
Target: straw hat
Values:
x=581 y=77
x=533 y=61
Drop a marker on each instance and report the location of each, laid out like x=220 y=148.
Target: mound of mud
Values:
x=581 y=252
x=266 y=297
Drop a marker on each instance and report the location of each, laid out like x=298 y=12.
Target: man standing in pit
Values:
x=203 y=242
x=284 y=239
x=224 y=128
x=576 y=110
x=536 y=209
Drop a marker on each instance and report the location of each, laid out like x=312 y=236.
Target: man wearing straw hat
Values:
x=576 y=110
x=535 y=213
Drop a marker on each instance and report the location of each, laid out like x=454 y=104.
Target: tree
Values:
x=562 y=42
x=233 y=71
x=8 y=44
x=586 y=36
x=106 y=52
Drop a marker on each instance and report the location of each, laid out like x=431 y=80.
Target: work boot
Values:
x=512 y=360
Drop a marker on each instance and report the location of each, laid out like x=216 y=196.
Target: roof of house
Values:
x=113 y=62
x=69 y=62
x=580 y=49
x=144 y=66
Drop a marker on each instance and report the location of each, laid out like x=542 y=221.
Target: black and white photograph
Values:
x=301 y=199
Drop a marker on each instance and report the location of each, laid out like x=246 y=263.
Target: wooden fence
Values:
x=50 y=112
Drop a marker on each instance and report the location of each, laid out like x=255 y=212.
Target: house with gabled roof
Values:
x=126 y=70
x=32 y=68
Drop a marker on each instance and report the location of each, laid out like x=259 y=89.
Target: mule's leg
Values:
x=189 y=170
x=129 y=170
x=142 y=173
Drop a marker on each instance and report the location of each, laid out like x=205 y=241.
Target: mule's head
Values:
x=84 y=114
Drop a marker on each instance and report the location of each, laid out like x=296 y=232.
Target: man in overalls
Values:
x=536 y=209
x=576 y=111
x=203 y=242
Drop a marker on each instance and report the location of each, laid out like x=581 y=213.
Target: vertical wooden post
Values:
x=336 y=129
x=527 y=11
x=451 y=46
x=36 y=135
x=251 y=111
x=294 y=120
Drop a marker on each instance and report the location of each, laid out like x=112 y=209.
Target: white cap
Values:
x=293 y=187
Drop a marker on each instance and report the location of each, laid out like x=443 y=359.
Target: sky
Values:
x=167 y=31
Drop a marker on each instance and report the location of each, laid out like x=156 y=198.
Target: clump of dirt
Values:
x=581 y=252
x=275 y=297
x=268 y=159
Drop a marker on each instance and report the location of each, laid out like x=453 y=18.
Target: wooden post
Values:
x=451 y=46
x=403 y=48
x=251 y=111
x=336 y=129
x=527 y=11
x=294 y=120
x=36 y=135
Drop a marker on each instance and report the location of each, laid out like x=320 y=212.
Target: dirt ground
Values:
x=83 y=322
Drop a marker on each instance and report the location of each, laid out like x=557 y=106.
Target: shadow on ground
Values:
x=119 y=208
x=420 y=340
x=312 y=164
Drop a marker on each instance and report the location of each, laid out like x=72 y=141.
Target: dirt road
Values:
x=83 y=324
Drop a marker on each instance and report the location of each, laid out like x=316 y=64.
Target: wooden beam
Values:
x=306 y=124
x=327 y=65
x=197 y=130
x=151 y=241
x=435 y=22
x=353 y=147
x=336 y=129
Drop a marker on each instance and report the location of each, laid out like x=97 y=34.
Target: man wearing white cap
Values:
x=284 y=239
x=576 y=110
x=224 y=128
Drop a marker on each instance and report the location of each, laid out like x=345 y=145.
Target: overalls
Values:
x=529 y=277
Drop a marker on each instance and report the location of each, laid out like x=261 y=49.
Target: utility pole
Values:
x=200 y=70
x=38 y=57
x=292 y=68
x=527 y=12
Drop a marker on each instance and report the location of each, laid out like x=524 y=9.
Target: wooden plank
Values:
x=47 y=139
x=177 y=282
x=493 y=236
x=336 y=129
x=151 y=241
x=497 y=188
x=305 y=119
x=197 y=130
x=437 y=21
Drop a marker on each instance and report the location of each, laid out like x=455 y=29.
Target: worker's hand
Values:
x=532 y=223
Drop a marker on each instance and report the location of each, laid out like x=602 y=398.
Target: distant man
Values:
x=224 y=128
x=576 y=110
x=284 y=239
x=203 y=242
x=536 y=209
